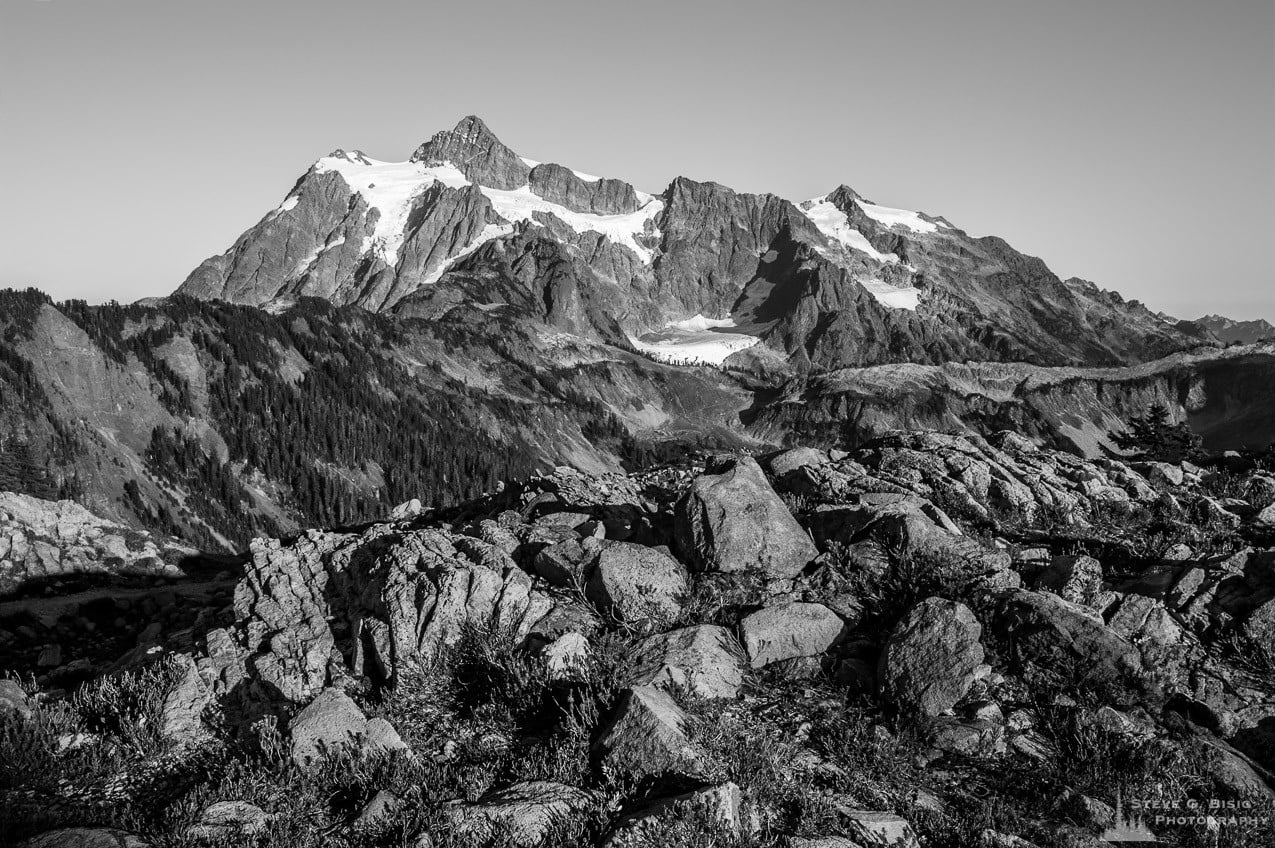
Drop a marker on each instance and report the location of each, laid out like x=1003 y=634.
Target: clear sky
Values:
x=1125 y=141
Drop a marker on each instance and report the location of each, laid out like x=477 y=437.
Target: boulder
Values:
x=1074 y=578
x=1043 y=630
x=181 y=714
x=525 y=814
x=637 y=584
x=228 y=821
x=931 y=657
x=13 y=699
x=719 y=808
x=86 y=837
x=567 y=657
x=731 y=520
x=884 y=829
x=794 y=460
x=788 y=631
x=704 y=659
x=646 y=737
x=378 y=812
x=333 y=721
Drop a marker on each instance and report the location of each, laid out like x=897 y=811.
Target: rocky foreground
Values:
x=932 y=640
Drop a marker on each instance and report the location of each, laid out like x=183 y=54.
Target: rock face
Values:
x=789 y=631
x=401 y=596
x=732 y=521
x=931 y=658
x=49 y=539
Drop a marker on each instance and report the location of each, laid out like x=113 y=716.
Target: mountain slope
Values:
x=833 y=282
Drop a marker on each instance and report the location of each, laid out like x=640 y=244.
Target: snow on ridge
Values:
x=489 y=233
x=521 y=204
x=588 y=178
x=694 y=340
x=892 y=217
x=391 y=188
x=834 y=224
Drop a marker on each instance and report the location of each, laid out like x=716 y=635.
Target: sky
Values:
x=1128 y=142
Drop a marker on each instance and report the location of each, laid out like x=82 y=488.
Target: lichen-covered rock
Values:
x=1074 y=578
x=931 y=658
x=731 y=520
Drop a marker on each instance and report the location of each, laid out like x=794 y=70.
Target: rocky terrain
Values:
x=931 y=639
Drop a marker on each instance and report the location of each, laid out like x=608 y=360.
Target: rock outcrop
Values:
x=45 y=540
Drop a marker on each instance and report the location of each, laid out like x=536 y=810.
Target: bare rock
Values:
x=646 y=737
x=181 y=716
x=788 y=631
x=525 y=814
x=228 y=820
x=13 y=699
x=703 y=659
x=86 y=837
x=732 y=520
x=637 y=584
x=1077 y=579
x=884 y=829
x=719 y=807
x=931 y=658
x=333 y=721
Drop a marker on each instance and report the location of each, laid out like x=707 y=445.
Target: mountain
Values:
x=1231 y=331
x=698 y=272
x=429 y=329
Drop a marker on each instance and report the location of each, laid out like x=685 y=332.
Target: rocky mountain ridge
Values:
x=832 y=282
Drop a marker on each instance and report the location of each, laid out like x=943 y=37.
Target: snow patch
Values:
x=892 y=217
x=289 y=203
x=694 y=340
x=588 y=178
x=390 y=187
x=530 y=163
x=522 y=204
x=892 y=296
x=489 y=233
x=834 y=224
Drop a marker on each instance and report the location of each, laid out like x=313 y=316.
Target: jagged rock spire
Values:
x=474 y=149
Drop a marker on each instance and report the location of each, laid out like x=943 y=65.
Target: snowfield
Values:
x=392 y=189
x=892 y=217
x=696 y=340
x=834 y=224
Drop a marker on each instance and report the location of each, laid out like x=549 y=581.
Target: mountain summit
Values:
x=697 y=273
